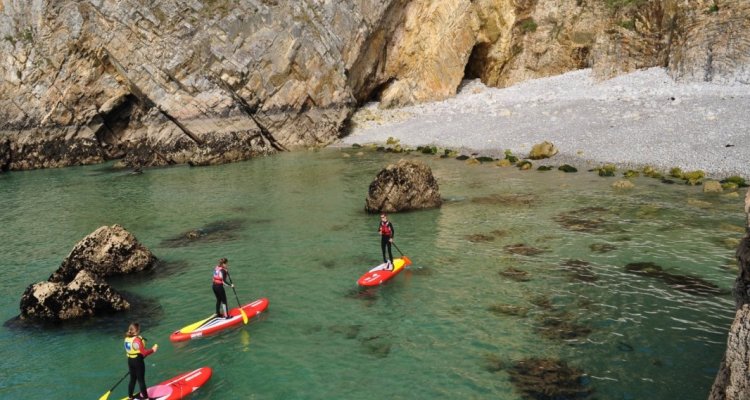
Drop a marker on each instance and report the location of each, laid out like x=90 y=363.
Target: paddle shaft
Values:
x=244 y=316
x=399 y=250
x=106 y=395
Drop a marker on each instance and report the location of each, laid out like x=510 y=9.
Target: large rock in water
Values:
x=109 y=250
x=84 y=296
x=77 y=289
x=733 y=379
x=407 y=185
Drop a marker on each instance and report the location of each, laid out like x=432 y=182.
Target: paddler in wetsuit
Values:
x=386 y=238
x=221 y=278
x=135 y=349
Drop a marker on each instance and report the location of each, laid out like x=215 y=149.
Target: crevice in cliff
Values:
x=115 y=122
x=250 y=111
x=377 y=91
x=477 y=62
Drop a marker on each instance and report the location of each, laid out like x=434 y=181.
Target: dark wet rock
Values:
x=544 y=168
x=108 y=251
x=516 y=274
x=587 y=219
x=580 y=270
x=522 y=249
x=480 y=237
x=85 y=295
x=406 y=185
x=602 y=247
x=567 y=168
x=214 y=232
x=505 y=199
x=685 y=283
x=549 y=379
x=508 y=309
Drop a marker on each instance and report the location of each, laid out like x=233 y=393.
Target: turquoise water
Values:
x=295 y=232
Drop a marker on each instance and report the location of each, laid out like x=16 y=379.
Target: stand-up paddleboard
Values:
x=379 y=274
x=179 y=386
x=215 y=324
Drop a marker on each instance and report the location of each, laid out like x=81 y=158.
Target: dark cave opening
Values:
x=475 y=66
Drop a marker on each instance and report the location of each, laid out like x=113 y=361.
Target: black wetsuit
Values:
x=221 y=295
x=385 y=240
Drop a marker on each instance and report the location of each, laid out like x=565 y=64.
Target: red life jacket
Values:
x=385 y=229
x=218 y=278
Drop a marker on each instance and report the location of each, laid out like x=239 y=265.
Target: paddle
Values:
x=399 y=250
x=244 y=316
x=106 y=395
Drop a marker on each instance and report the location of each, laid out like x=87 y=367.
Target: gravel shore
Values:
x=643 y=118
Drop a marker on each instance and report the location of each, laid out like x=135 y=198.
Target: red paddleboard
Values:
x=179 y=386
x=215 y=324
x=379 y=274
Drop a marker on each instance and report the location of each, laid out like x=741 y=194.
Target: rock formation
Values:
x=203 y=83
x=77 y=289
x=407 y=185
x=733 y=379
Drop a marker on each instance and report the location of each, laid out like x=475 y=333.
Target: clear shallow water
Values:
x=302 y=239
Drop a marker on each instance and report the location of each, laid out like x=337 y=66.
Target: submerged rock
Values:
x=406 y=185
x=685 y=283
x=549 y=379
x=218 y=231
x=508 y=309
x=515 y=274
x=522 y=249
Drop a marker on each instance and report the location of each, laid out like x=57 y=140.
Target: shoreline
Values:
x=639 y=119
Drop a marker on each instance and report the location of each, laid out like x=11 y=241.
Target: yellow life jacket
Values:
x=132 y=350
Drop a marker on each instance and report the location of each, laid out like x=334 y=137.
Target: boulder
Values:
x=109 y=250
x=407 y=185
x=77 y=289
x=542 y=150
x=84 y=296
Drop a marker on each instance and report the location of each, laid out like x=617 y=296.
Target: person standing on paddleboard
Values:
x=221 y=278
x=135 y=349
x=386 y=238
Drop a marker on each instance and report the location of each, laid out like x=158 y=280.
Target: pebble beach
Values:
x=634 y=120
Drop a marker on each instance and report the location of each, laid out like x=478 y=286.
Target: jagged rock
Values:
x=733 y=379
x=85 y=295
x=109 y=250
x=407 y=185
x=77 y=289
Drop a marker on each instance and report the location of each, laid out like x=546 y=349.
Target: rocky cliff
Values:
x=205 y=82
x=733 y=380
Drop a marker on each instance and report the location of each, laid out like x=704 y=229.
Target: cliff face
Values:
x=204 y=82
x=733 y=382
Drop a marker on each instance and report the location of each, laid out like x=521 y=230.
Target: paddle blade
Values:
x=195 y=326
x=106 y=395
x=244 y=316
